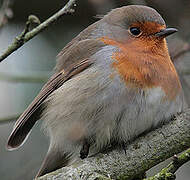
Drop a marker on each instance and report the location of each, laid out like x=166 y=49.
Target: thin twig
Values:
x=26 y=36
x=168 y=172
x=32 y=19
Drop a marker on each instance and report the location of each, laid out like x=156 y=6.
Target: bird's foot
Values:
x=85 y=149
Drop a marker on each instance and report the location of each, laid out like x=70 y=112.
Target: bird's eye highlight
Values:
x=135 y=31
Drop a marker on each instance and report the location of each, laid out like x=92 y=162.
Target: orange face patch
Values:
x=148 y=28
x=145 y=64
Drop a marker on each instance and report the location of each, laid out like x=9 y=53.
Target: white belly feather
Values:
x=93 y=105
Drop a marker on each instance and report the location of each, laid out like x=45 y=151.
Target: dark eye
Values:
x=135 y=31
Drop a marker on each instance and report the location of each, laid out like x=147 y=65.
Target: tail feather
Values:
x=22 y=130
x=27 y=120
x=53 y=161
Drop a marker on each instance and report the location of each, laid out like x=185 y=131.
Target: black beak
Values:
x=166 y=32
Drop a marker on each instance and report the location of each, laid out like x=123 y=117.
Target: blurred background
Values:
x=24 y=72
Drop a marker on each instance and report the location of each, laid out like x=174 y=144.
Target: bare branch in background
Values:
x=32 y=77
x=9 y=118
x=5 y=12
x=178 y=48
x=184 y=49
x=26 y=35
x=141 y=2
x=168 y=172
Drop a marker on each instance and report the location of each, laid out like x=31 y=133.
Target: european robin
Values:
x=112 y=82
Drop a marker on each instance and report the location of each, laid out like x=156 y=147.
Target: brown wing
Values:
x=27 y=120
x=77 y=50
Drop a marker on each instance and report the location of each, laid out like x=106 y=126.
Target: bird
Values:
x=112 y=82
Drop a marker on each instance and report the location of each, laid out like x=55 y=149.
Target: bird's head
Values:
x=140 y=25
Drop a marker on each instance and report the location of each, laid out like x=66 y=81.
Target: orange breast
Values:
x=144 y=65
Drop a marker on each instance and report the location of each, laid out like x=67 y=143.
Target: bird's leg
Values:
x=124 y=147
x=85 y=149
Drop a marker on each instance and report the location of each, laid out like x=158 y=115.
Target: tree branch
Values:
x=26 y=35
x=168 y=172
x=141 y=155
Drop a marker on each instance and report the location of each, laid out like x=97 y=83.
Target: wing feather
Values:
x=29 y=117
